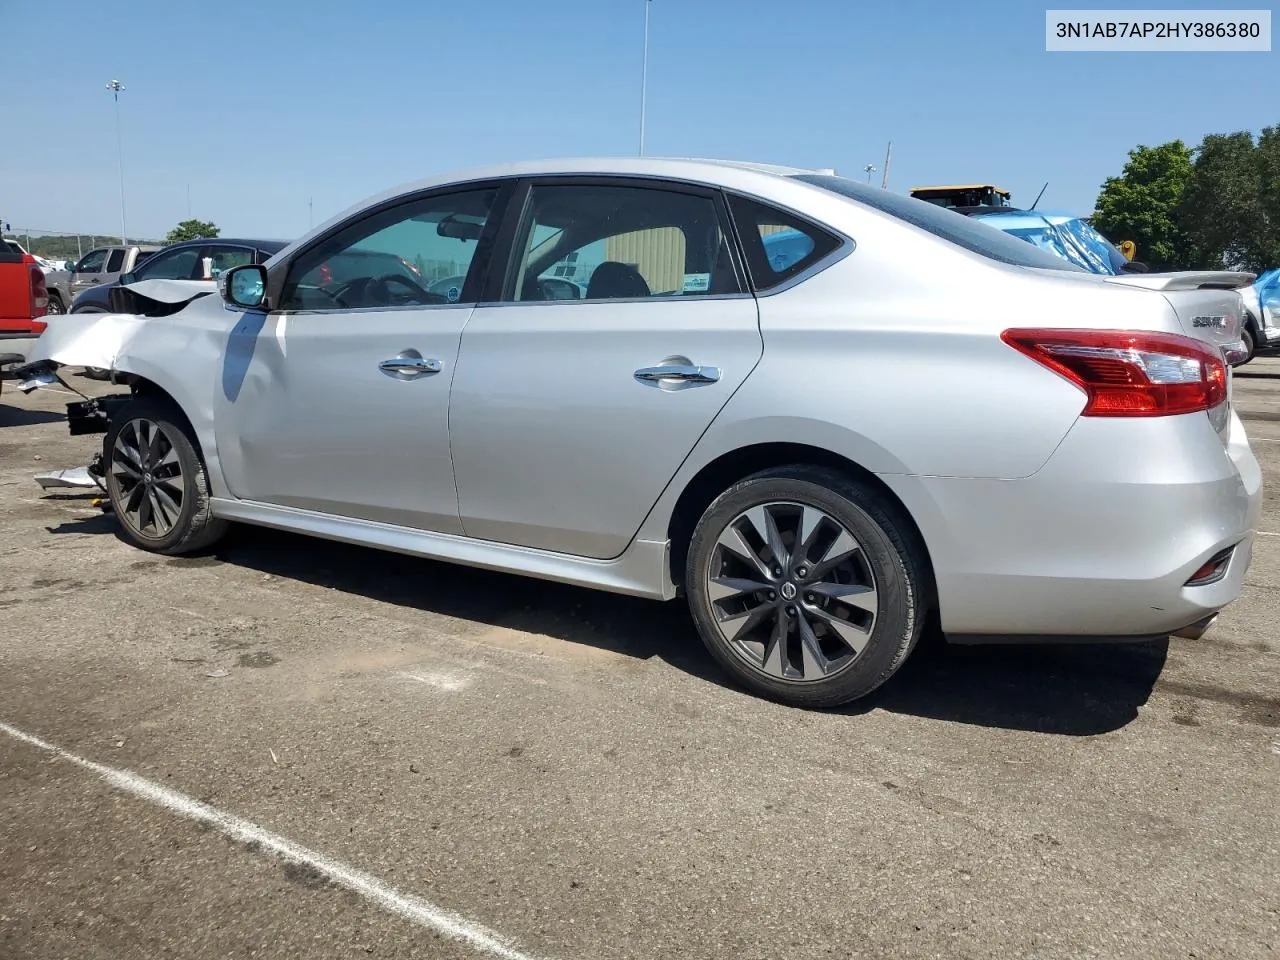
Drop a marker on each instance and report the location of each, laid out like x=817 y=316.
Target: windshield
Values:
x=1102 y=254
x=953 y=227
x=1046 y=238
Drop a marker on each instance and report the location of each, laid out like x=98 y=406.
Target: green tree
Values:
x=1268 y=254
x=1220 y=208
x=192 y=230
x=1142 y=204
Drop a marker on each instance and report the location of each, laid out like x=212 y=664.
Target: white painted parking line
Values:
x=436 y=678
x=1266 y=533
x=416 y=911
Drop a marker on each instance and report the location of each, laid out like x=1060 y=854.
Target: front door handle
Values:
x=679 y=372
x=409 y=366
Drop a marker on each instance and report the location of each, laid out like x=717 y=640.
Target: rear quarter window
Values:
x=979 y=238
x=778 y=245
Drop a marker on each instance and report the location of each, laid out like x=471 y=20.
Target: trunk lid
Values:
x=1209 y=307
x=1208 y=304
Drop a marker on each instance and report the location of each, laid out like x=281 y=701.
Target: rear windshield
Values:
x=954 y=227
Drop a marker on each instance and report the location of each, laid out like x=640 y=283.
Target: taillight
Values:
x=1128 y=373
x=39 y=292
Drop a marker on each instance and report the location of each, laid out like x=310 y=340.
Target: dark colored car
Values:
x=182 y=261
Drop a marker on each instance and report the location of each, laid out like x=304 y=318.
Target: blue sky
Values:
x=260 y=106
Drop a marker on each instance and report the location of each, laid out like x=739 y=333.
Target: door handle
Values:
x=684 y=373
x=409 y=366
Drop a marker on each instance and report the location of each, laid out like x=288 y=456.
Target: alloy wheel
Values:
x=148 y=473
x=792 y=592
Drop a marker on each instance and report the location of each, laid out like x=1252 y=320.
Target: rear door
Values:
x=621 y=327
x=115 y=265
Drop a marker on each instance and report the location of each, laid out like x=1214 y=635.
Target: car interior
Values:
x=582 y=216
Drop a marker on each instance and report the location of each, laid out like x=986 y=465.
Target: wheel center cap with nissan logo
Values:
x=788 y=591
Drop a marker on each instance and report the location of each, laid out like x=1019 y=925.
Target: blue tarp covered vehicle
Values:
x=1062 y=234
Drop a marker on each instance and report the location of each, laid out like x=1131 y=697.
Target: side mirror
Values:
x=244 y=286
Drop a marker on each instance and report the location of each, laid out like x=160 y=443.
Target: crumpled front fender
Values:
x=99 y=340
x=85 y=339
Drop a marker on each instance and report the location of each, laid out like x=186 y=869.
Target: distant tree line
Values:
x=57 y=247
x=63 y=247
x=1208 y=207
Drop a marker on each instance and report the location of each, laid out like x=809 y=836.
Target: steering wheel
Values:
x=381 y=285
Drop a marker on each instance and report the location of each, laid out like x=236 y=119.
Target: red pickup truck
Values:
x=24 y=299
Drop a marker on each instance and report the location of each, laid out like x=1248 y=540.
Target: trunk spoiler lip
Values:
x=1187 y=280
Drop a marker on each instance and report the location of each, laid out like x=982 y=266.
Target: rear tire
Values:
x=806 y=586
x=1250 y=343
x=157 y=481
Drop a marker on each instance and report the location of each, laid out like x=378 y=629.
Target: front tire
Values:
x=55 y=307
x=93 y=373
x=156 y=480
x=806 y=586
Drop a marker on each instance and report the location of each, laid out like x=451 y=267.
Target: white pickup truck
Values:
x=99 y=265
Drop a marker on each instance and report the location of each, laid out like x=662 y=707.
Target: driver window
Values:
x=171 y=266
x=92 y=262
x=413 y=255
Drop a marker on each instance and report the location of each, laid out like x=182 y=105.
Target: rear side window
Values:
x=116 y=262
x=778 y=244
x=954 y=227
x=606 y=241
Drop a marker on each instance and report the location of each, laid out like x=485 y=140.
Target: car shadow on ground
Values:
x=11 y=416
x=1075 y=690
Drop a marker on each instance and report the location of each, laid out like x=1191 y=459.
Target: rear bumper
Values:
x=1101 y=542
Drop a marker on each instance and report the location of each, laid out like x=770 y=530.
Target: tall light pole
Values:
x=644 y=74
x=116 y=87
x=869 y=169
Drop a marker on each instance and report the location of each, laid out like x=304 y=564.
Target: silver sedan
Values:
x=826 y=415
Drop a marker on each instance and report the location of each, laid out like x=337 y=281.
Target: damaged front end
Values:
x=99 y=342
x=96 y=341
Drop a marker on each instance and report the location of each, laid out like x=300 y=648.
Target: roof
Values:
x=1007 y=214
x=710 y=171
x=270 y=245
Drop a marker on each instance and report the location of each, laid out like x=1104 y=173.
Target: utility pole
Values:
x=884 y=181
x=644 y=74
x=311 y=217
x=116 y=87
